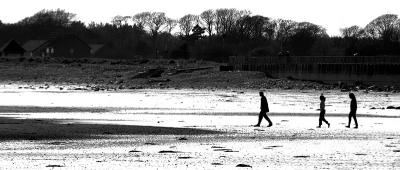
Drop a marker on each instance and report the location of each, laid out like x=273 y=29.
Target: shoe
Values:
x=269 y=125
x=348 y=126
x=256 y=126
x=318 y=126
x=329 y=125
x=355 y=127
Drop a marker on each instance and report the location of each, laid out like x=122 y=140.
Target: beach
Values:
x=194 y=129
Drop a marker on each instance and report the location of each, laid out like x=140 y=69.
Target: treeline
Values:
x=211 y=35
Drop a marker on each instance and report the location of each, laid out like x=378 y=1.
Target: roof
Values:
x=61 y=37
x=95 y=47
x=32 y=45
x=12 y=45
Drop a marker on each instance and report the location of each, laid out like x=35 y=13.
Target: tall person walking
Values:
x=264 y=109
x=353 y=110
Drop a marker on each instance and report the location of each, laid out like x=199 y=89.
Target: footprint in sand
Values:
x=275 y=146
x=168 y=151
x=217 y=147
x=150 y=143
x=261 y=130
x=182 y=138
x=185 y=157
x=272 y=147
x=230 y=151
x=54 y=166
x=57 y=143
x=396 y=150
x=134 y=151
x=360 y=154
x=390 y=146
x=301 y=156
x=216 y=163
x=243 y=165
x=223 y=150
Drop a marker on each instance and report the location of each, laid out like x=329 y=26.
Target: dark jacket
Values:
x=264 y=104
x=353 y=105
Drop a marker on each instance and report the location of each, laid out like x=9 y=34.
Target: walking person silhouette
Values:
x=322 y=112
x=263 y=113
x=353 y=110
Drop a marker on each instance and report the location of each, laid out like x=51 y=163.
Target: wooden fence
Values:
x=327 y=68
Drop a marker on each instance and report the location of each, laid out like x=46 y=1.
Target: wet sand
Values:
x=81 y=130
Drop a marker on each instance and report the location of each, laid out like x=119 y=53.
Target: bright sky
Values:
x=331 y=14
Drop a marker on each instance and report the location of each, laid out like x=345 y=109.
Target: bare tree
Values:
x=156 y=21
x=170 y=25
x=125 y=19
x=311 y=29
x=141 y=19
x=269 y=28
x=384 y=27
x=117 y=20
x=187 y=23
x=227 y=18
x=58 y=17
x=284 y=29
x=352 y=32
x=208 y=18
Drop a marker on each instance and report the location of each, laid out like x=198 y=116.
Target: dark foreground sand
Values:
x=35 y=136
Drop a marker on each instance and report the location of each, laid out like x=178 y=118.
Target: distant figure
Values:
x=322 y=112
x=353 y=110
x=263 y=113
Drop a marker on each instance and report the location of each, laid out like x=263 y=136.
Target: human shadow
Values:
x=47 y=129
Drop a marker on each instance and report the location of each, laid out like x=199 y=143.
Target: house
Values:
x=12 y=48
x=65 y=46
x=102 y=50
x=95 y=49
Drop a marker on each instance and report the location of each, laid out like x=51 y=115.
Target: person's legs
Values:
x=269 y=120
x=260 y=117
x=319 y=121
x=355 y=120
x=323 y=119
x=350 y=115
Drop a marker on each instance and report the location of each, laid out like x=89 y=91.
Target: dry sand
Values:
x=193 y=129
